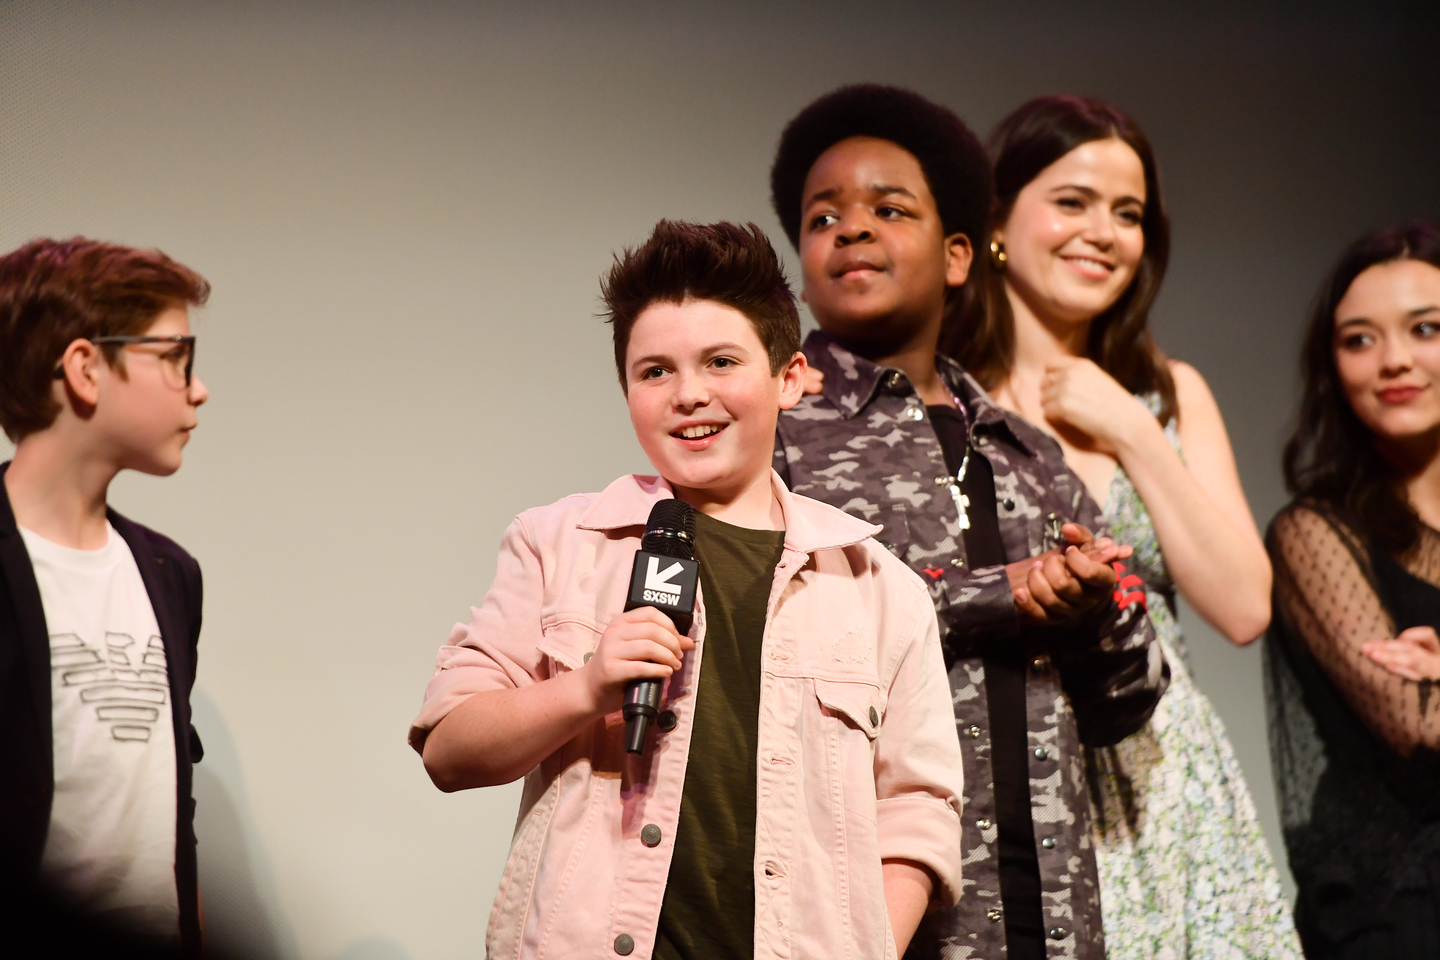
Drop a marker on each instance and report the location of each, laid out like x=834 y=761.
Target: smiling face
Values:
x=703 y=401
x=873 y=253
x=1073 y=240
x=1387 y=348
x=145 y=413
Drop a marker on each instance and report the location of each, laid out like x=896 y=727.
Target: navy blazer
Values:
x=27 y=769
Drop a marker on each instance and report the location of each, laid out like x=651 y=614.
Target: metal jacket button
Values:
x=874 y=718
x=1040 y=665
x=624 y=944
x=586 y=658
x=992 y=915
x=973 y=731
x=983 y=823
x=1041 y=753
x=1008 y=503
x=667 y=720
x=650 y=836
x=956 y=562
x=1057 y=933
x=1048 y=843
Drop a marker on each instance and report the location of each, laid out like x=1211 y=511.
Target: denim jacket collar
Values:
x=809 y=524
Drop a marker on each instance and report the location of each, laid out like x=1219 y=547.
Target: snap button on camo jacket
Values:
x=866 y=445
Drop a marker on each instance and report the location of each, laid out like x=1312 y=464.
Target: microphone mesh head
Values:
x=670 y=531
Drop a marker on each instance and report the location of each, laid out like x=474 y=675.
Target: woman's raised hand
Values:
x=1414 y=655
x=1077 y=394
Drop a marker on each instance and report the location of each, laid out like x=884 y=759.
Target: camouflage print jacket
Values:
x=866 y=444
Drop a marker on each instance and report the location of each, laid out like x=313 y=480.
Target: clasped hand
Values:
x=1059 y=586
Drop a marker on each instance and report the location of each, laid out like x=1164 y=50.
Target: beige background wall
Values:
x=404 y=208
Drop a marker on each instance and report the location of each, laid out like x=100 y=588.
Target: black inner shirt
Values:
x=709 y=908
x=1005 y=691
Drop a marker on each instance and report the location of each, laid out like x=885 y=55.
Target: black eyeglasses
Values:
x=184 y=343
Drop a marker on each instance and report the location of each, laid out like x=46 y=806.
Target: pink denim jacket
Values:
x=857 y=758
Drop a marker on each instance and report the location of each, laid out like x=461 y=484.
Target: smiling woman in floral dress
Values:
x=1076 y=258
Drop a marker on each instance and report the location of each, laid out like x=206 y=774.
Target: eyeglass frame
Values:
x=186 y=338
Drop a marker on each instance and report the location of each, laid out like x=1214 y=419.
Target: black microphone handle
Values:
x=669 y=532
x=642 y=699
x=642 y=704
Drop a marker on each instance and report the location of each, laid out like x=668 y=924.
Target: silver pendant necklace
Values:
x=962 y=502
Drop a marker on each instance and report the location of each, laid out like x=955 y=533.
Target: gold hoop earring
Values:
x=997 y=255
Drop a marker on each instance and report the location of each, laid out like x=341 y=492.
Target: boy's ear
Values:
x=792 y=381
x=959 y=255
x=81 y=381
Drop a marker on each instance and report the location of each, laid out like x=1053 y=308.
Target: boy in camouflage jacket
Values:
x=881 y=190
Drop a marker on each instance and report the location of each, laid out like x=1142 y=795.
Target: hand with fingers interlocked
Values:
x=1060 y=586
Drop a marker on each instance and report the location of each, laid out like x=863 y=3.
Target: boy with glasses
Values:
x=99 y=616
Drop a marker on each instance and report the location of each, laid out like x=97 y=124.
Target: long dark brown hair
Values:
x=1331 y=456
x=981 y=334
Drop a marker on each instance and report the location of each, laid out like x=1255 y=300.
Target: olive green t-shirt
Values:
x=709 y=908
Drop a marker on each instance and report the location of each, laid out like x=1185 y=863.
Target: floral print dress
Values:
x=1185 y=873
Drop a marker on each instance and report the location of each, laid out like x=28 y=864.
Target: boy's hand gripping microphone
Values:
x=664 y=577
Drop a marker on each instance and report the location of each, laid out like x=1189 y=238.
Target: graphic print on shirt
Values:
x=111 y=845
x=126 y=682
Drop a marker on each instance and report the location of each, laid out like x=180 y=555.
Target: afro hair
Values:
x=951 y=156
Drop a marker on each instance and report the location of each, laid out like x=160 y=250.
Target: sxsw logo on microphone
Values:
x=659 y=584
x=665 y=583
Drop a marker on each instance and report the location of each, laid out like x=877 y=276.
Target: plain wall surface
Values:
x=404 y=209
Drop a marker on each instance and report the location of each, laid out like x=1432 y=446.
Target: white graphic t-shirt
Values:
x=111 y=844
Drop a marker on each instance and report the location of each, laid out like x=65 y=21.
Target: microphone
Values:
x=664 y=576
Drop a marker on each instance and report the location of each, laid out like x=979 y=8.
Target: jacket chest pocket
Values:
x=852 y=713
x=857 y=704
x=895 y=535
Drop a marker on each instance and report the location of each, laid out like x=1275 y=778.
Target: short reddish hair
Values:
x=53 y=292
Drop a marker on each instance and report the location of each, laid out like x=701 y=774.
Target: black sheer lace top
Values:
x=1353 y=746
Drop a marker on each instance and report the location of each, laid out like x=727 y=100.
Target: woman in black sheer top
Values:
x=1352 y=658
